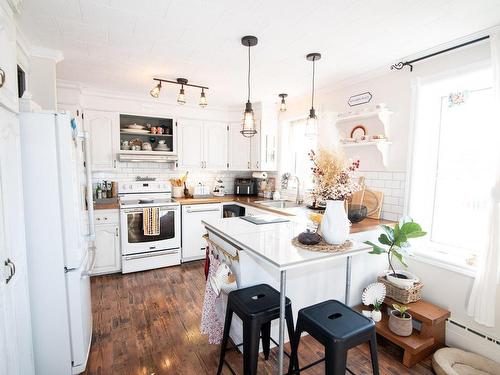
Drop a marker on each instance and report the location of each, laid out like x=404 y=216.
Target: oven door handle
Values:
x=149 y=255
x=190 y=211
x=162 y=208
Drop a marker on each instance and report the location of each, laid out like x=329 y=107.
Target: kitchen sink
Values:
x=279 y=204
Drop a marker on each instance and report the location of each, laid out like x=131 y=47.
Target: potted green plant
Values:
x=400 y=320
x=377 y=313
x=397 y=241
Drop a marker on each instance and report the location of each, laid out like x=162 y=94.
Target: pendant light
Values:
x=312 y=120
x=283 y=104
x=181 y=98
x=203 y=99
x=248 y=123
x=155 y=91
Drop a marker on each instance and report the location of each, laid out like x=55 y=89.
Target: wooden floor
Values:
x=148 y=323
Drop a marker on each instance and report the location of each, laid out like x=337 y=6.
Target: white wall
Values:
x=42 y=82
x=444 y=287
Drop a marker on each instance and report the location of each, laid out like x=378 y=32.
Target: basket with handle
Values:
x=402 y=295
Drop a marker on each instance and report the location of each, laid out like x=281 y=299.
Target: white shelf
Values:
x=341 y=117
x=156 y=153
x=145 y=134
x=362 y=144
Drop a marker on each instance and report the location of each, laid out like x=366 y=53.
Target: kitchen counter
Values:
x=365 y=225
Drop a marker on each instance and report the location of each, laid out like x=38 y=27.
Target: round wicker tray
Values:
x=323 y=246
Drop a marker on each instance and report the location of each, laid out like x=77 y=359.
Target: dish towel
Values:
x=151 y=221
x=210 y=323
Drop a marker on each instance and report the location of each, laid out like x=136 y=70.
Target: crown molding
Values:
x=47 y=53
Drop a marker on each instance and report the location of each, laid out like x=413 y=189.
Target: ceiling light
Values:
x=312 y=120
x=283 y=104
x=203 y=99
x=155 y=91
x=181 y=98
x=248 y=124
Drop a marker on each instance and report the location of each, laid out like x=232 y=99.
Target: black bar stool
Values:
x=338 y=328
x=256 y=306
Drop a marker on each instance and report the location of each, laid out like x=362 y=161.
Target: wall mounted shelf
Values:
x=363 y=144
x=382 y=114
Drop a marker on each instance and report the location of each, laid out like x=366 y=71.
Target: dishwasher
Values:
x=193 y=245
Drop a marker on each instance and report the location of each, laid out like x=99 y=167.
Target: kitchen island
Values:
x=266 y=255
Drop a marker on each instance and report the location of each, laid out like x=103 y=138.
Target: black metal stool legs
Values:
x=225 y=338
x=291 y=332
x=335 y=360
x=293 y=366
x=373 y=353
x=265 y=330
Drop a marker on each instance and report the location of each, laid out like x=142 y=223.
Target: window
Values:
x=454 y=145
x=295 y=159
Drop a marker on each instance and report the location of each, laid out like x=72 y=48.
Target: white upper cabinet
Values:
x=202 y=144
x=215 y=145
x=265 y=145
x=8 y=61
x=104 y=129
x=255 y=146
x=238 y=149
x=190 y=142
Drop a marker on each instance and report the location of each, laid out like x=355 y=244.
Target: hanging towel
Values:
x=210 y=324
x=151 y=221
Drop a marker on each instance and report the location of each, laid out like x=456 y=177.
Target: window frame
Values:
x=424 y=250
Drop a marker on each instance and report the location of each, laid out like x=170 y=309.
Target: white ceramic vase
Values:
x=335 y=224
x=376 y=315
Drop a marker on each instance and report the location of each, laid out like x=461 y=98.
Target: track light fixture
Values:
x=248 y=124
x=312 y=120
x=283 y=104
x=181 y=97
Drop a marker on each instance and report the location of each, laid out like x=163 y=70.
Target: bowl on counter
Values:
x=357 y=213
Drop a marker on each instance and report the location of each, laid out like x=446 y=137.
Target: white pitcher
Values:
x=335 y=224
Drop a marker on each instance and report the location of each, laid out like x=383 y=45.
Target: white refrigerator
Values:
x=59 y=238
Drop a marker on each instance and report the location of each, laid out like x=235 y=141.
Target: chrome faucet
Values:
x=298 y=200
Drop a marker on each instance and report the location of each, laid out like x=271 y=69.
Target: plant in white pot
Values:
x=400 y=321
x=333 y=184
x=377 y=313
x=397 y=240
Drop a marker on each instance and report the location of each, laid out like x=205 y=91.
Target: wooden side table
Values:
x=421 y=343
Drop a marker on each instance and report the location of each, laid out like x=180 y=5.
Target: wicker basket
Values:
x=401 y=295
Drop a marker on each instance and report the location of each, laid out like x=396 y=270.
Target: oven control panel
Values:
x=131 y=187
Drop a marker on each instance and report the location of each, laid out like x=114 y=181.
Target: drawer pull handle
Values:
x=2 y=77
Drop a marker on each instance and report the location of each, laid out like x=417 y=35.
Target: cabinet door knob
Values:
x=116 y=231
x=2 y=77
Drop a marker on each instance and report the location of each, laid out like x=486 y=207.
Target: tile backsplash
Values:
x=392 y=184
x=130 y=171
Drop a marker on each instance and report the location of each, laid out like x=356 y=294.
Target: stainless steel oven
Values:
x=139 y=251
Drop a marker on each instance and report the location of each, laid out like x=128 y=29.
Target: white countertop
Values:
x=272 y=242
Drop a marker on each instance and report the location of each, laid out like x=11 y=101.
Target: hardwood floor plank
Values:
x=149 y=323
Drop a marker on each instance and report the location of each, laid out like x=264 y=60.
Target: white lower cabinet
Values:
x=107 y=241
x=193 y=245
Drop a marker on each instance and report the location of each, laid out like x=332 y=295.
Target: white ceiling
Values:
x=121 y=44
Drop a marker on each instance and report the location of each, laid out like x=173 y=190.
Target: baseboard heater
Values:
x=475 y=332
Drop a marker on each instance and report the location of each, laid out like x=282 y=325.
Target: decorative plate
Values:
x=372 y=293
x=135 y=126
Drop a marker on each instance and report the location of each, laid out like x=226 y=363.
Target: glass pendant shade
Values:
x=283 y=106
x=155 y=91
x=311 y=124
x=203 y=100
x=248 y=122
x=181 y=98
x=283 y=103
